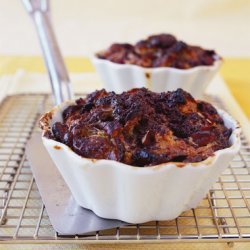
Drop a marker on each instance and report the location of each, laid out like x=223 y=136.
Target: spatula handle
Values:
x=59 y=78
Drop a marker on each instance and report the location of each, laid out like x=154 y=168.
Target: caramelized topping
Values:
x=142 y=128
x=161 y=50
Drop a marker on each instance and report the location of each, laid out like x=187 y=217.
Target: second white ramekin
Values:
x=122 y=77
x=137 y=194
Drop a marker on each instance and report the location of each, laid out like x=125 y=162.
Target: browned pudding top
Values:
x=142 y=128
x=159 y=51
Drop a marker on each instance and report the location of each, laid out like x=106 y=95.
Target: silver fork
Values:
x=60 y=83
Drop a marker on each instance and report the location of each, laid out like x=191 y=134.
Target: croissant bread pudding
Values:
x=139 y=155
x=162 y=50
x=142 y=128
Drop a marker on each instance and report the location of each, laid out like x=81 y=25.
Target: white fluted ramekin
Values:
x=137 y=194
x=122 y=77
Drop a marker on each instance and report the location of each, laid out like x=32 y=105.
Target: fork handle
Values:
x=59 y=78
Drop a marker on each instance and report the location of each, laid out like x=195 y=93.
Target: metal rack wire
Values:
x=224 y=215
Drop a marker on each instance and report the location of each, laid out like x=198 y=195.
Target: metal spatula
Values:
x=66 y=216
x=59 y=78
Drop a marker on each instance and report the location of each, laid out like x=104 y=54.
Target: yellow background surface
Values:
x=235 y=71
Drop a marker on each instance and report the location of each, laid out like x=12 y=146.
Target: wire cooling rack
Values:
x=224 y=215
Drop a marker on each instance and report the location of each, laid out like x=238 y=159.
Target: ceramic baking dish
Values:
x=137 y=194
x=122 y=77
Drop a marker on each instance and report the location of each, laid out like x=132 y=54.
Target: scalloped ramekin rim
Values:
x=235 y=138
x=218 y=61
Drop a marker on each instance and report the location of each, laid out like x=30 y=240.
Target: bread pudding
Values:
x=162 y=50
x=89 y=141
x=142 y=128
